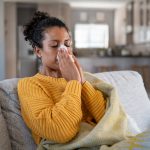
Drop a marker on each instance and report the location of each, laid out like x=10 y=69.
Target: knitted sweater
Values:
x=53 y=108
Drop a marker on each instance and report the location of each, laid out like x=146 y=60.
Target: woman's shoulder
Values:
x=28 y=86
x=27 y=81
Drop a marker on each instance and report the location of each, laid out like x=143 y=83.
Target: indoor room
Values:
x=74 y=74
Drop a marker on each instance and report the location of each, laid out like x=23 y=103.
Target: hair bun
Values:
x=30 y=27
x=38 y=16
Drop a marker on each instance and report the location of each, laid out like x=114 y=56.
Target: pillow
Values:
x=19 y=134
x=4 y=138
x=133 y=96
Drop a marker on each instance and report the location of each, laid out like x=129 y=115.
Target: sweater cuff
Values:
x=87 y=88
x=73 y=87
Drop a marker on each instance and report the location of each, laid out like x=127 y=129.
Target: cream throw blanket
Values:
x=112 y=128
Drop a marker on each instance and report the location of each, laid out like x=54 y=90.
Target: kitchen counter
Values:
x=114 y=56
x=91 y=64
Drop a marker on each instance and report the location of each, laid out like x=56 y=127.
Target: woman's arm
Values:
x=93 y=100
x=57 y=122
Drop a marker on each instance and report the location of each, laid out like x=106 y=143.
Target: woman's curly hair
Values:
x=33 y=31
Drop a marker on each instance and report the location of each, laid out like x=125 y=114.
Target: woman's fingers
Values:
x=68 y=69
x=79 y=68
x=77 y=64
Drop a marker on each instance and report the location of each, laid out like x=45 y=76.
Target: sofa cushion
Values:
x=19 y=134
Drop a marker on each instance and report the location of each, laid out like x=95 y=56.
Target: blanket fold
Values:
x=112 y=128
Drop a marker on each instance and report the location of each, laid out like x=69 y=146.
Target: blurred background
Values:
x=108 y=35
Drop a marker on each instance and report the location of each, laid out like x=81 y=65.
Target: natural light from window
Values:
x=91 y=36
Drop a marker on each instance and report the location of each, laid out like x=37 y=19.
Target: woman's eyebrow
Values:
x=68 y=40
x=53 y=41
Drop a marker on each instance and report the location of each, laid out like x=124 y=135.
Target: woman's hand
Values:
x=80 y=69
x=69 y=69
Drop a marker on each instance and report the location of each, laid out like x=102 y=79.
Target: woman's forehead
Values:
x=56 y=33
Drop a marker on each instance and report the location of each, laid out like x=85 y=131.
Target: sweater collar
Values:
x=44 y=77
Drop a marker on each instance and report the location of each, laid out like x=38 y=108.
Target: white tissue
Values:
x=65 y=49
x=62 y=47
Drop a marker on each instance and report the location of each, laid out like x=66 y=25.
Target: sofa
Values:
x=14 y=134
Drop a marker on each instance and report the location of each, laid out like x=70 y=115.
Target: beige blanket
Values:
x=112 y=128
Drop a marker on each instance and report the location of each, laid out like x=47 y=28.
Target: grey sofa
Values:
x=14 y=134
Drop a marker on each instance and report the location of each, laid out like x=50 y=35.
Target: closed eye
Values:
x=54 y=46
x=68 y=44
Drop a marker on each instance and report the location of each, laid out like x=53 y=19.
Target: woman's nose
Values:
x=62 y=47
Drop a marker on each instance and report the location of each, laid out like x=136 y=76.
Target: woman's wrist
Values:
x=83 y=82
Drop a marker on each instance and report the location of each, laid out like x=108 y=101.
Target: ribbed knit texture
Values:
x=52 y=107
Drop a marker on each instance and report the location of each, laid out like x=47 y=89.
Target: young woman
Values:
x=57 y=99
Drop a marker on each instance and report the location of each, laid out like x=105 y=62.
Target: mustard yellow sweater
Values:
x=53 y=108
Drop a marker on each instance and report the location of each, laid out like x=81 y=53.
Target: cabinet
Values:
x=148 y=20
x=120 y=26
x=142 y=23
x=138 y=21
x=130 y=22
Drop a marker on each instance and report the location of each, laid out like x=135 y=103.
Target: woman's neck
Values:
x=49 y=72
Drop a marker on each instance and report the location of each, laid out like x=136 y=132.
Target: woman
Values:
x=57 y=99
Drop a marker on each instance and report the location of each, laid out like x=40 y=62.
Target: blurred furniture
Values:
x=15 y=135
x=144 y=70
x=107 y=68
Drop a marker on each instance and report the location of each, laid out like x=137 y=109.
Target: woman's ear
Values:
x=38 y=52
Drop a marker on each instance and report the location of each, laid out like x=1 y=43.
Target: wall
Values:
x=2 y=41
x=25 y=12
x=60 y=10
x=91 y=18
x=10 y=40
x=26 y=60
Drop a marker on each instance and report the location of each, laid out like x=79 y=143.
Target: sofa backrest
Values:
x=130 y=88
x=4 y=137
x=133 y=96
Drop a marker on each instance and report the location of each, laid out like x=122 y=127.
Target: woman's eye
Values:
x=68 y=44
x=55 y=46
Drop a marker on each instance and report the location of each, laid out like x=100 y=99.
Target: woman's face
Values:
x=53 y=38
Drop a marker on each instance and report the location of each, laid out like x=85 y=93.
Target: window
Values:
x=91 y=36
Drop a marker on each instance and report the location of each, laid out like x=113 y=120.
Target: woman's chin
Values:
x=57 y=67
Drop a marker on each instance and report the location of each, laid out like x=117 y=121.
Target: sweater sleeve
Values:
x=57 y=122
x=93 y=100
